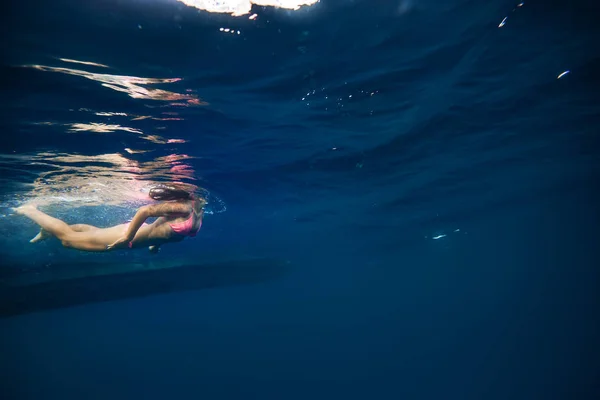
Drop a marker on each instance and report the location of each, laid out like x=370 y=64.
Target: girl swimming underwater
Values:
x=179 y=215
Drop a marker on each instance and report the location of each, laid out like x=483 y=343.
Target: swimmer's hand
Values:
x=118 y=243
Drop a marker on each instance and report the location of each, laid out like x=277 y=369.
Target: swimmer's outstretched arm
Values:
x=145 y=212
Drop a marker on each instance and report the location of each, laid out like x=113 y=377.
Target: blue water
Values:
x=422 y=177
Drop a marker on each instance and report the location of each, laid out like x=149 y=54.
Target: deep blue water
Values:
x=426 y=179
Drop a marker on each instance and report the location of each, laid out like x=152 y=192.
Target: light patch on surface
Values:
x=47 y=123
x=102 y=128
x=83 y=62
x=161 y=140
x=103 y=179
x=243 y=7
x=111 y=114
x=131 y=151
x=141 y=117
x=108 y=128
x=562 y=74
x=132 y=85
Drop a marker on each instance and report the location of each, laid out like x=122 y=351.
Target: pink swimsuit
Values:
x=185 y=228
x=181 y=228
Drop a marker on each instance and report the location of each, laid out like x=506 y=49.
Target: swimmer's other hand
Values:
x=118 y=243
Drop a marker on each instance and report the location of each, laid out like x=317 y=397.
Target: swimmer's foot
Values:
x=23 y=210
x=40 y=236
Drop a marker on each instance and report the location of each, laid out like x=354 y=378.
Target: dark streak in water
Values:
x=27 y=292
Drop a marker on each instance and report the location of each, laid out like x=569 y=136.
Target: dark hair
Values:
x=169 y=192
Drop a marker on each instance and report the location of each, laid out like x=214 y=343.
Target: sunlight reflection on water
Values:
x=106 y=179
x=242 y=7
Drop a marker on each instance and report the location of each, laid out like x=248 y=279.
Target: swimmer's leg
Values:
x=44 y=234
x=83 y=227
x=69 y=238
x=51 y=225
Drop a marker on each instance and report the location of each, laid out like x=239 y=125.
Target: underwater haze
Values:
x=402 y=199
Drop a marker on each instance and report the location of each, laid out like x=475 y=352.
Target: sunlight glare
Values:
x=243 y=7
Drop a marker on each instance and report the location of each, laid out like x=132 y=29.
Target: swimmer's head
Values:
x=165 y=192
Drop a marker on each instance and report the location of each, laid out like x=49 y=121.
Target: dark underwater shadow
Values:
x=66 y=285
